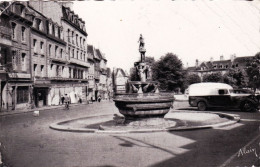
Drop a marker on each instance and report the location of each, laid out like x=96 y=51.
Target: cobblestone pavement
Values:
x=27 y=141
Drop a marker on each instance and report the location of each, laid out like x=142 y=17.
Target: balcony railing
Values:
x=79 y=62
x=59 y=59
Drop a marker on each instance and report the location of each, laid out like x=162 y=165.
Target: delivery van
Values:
x=220 y=95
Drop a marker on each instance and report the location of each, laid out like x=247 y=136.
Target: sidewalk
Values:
x=12 y=112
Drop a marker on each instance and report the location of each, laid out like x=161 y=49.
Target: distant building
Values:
x=222 y=66
x=120 y=78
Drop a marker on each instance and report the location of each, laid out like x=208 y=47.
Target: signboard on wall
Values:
x=19 y=75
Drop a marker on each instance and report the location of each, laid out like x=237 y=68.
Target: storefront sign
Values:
x=19 y=75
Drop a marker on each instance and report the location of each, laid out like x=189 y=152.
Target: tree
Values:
x=193 y=78
x=235 y=78
x=253 y=71
x=133 y=75
x=168 y=71
x=214 y=77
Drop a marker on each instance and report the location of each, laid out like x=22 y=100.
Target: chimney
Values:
x=197 y=63
x=211 y=59
x=232 y=57
x=221 y=57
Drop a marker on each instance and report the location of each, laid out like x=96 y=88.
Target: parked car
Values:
x=220 y=95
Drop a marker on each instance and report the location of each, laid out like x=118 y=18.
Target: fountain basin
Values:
x=173 y=121
x=143 y=105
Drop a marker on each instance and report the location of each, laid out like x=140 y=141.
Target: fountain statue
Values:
x=143 y=99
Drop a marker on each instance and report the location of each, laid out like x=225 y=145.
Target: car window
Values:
x=222 y=91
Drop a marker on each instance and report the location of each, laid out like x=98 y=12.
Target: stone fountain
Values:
x=144 y=109
x=143 y=99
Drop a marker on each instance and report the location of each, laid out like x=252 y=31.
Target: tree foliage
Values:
x=253 y=71
x=192 y=78
x=168 y=71
x=235 y=78
x=214 y=77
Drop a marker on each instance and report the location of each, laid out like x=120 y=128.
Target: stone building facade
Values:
x=44 y=55
x=16 y=83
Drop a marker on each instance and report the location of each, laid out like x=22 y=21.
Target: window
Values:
x=22 y=94
x=80 y=42
x=53 y=29
x=56 y=50
x=77 y=54
x=13 y=31
x=222 y=91
x=23 y=62
x=35 y=69
x=41 y=45
x=61 y=50
x=58 y=32
x=58 y=71
x=38 y=24
x=72 y=35
x=14 y=62
x=77 y=40
x=69 y=51
x=69 y=72
x=68 y=35
x=42 y=70
x=23 y=33
x=50 y=50
x=236 y=65
x=34 y=45
x=73 y=53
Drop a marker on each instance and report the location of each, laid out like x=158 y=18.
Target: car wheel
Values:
x=202 y=106
x=248 y=106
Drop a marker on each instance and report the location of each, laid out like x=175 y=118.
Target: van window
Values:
x=222 y=91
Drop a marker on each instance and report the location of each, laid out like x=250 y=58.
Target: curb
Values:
x=16 y=112
x=233 y=120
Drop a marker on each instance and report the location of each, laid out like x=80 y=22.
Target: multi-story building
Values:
x=67 y=52
x=103 y=75
x=49 y=56
x=97 y=60
x=91 y=73
x=222 y=66
x=120 y=78
x=16 y=81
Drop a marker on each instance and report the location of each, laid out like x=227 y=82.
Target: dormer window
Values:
x=58 y=32
x=53 y=29
x=50 y=28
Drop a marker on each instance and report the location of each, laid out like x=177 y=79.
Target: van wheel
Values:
x=248 y=106
x=202 y=106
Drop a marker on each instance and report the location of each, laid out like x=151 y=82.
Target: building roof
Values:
x=215 y=65
x=99 y=54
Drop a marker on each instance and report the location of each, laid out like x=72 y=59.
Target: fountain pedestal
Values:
x=143 y=99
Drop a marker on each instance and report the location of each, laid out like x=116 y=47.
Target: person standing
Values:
x=66 y=101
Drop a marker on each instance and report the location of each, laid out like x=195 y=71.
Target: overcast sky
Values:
x=190 y=29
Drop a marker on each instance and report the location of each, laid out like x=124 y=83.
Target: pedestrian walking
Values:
x=66 y=101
